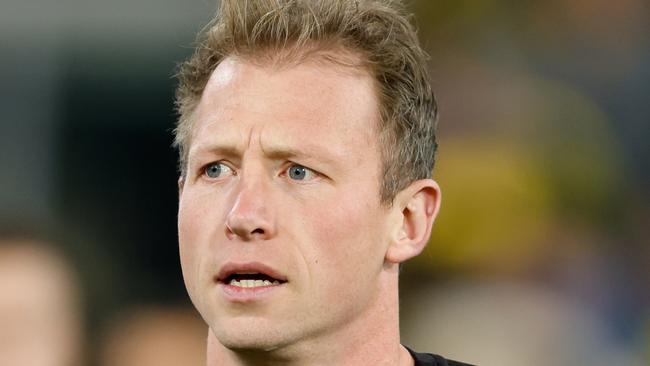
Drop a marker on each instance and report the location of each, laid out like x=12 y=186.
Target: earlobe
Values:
x=419 y=204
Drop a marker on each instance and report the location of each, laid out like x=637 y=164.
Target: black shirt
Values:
x=428 y=359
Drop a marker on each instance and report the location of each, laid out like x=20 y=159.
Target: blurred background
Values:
x=540 y=255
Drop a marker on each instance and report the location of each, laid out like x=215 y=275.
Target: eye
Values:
x=299 y=172
x=216 y=170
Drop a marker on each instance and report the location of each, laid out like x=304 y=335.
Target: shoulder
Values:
x=428 y=359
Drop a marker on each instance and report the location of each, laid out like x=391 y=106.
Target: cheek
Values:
x=346 y=256
x=193 y=234
x=346 y=235
x=188 y=226
x=198 y=218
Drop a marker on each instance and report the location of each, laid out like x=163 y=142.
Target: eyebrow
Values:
x=215 y=149
x=311 y=152
x=278 y=152
x=285 y=152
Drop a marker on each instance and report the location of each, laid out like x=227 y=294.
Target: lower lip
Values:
x=248 y=294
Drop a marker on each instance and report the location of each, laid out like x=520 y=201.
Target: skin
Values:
x=39 y=322
x=328 y=233
x=159 y=336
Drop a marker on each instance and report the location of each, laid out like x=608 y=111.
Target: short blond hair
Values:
x=378 y=31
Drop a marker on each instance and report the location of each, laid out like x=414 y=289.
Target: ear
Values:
x=417 y=207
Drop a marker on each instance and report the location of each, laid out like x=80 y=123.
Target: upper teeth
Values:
x=253 y=283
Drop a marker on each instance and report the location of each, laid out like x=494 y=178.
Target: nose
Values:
x=250 y=217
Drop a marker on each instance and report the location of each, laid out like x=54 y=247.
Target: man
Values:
x=154 y=335
x=40 y=322
x=306 y=139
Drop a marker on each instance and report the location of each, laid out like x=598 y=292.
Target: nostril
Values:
x=257 y=231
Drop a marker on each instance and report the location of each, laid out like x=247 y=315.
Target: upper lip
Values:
x=232 y=268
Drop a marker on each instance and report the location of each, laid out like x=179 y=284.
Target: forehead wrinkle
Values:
x=283 y=151
x=216 y=143
x=250 y=137
x=233 y=145
x=220 y=149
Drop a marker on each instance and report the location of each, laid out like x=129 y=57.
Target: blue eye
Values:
x=215 y=170
x=299 y=172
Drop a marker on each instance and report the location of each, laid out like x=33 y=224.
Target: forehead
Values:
x=313 y=102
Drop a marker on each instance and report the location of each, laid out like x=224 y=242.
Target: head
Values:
x=307 y=141
x=39 y=306
x=284 y=32
x=160 y=335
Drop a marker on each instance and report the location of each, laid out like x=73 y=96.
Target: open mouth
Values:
x=251 y=280
x=250 y=275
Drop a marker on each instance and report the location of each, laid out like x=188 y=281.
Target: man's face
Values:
x=282 y=185
x=39 y=324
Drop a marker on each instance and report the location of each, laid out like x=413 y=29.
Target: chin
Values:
x=250 y=336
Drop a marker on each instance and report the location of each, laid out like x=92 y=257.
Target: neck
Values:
x=371 y=339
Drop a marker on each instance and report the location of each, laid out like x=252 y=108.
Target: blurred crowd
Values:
x=42 y=316
x=540 y=255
